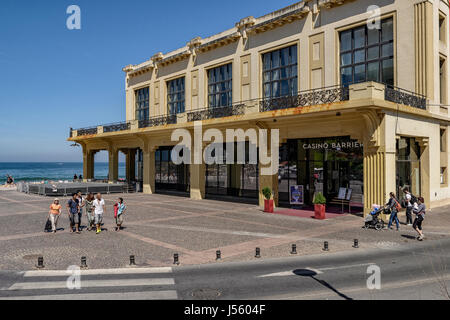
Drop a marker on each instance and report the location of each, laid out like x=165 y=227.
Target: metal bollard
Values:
x=294 y=249
x=132 y=261
x=175 y=259
x=83 y=263
x=218 y=255
x=325 y=246
x=258 y=253
x=355 y=243
x=40 y=263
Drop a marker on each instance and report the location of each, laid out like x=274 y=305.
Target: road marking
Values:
x=60 y=273
x=149 y=295
x=348 y=266
x=91 y=284
x=222 y=231
x=317 y=271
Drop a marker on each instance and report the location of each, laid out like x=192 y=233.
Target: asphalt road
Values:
x=413 y=271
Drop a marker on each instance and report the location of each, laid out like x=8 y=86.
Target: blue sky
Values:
x=53 y=78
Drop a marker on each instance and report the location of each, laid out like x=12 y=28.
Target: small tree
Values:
x=319 y=198
x=267 y=193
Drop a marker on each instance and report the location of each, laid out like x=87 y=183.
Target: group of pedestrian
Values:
x=75 y=177
x=94 y=207
x=413 y=205
x=9 y=180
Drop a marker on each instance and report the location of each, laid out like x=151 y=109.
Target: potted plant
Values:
x=319 y=206
x=268 y=201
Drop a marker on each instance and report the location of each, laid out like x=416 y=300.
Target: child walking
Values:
x=119 y=210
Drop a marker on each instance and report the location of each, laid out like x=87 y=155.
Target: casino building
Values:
x=360 y=98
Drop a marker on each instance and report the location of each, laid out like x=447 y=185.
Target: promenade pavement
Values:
x=157 y=226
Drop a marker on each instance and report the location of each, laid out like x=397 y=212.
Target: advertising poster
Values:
x=296 y=195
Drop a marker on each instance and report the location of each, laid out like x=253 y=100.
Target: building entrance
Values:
x=321 y=165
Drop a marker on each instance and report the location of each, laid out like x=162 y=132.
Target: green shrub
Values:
x=319 y=198
x=267 y=193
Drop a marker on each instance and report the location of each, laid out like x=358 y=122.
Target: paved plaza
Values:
x=157 y=226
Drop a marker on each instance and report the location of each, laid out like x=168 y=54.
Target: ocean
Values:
x=38 y=171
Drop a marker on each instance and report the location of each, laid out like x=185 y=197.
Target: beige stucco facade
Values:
x=367 y=114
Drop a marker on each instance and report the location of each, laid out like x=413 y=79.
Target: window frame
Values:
x=145 y=101
x=175 y=94
x=365 y=62
x=279 y=68
x=228 y=92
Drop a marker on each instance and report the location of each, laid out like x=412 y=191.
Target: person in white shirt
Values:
x=99 y=210
x=409 y=206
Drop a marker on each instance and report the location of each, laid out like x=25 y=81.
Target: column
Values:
x=149 y=169
x=130 y=155
x=379 y=177
x=88 y=164
x=113 y=173
x=197 y=180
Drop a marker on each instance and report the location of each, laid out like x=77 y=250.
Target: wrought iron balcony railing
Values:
x=158 y=121
x=115 y=127
x=217 y=112
x=301 y=99
x=405 y=97
x=305 y=98
x=87 y=131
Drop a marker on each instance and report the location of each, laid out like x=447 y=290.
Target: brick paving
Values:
x=157 y=226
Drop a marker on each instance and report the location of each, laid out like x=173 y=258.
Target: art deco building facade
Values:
x=360 y=104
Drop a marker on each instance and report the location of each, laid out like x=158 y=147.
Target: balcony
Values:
x=305 y=98
x=322 y=96
x=158 y=121
x=218 y=112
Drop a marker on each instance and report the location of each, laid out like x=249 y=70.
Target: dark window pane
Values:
x=387 y=30
x=387 y=50
x=388 y=71
x=360 y=37
x=346 y=40
x=360 y=56
x=360 y=73
x=373 y=36
x=346 y=76
x=373 y=71
x=373 y=53
x=346 y=59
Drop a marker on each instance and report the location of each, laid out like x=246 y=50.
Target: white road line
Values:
x=221 y=231
x=317 y=271
x=149 y=295
x=60 y=273
x=91 y=284
x=347 y=267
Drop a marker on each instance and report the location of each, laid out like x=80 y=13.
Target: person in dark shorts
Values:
x=74 y=209
x=419 y=211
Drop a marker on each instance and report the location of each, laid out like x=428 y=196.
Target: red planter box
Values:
x=319 y=211
x=268 y=205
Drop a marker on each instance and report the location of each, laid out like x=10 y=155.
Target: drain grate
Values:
x=205 y=294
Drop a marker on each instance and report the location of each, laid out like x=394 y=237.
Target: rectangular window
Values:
x=367 y=54
x=142 y=103
x=220 y=81
x=442 y=28
x=175 y=96
x=280 y=72
x=443 y=140
x=442 y=81
x=443 y=174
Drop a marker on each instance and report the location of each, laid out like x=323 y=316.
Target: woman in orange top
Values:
x=55 y=212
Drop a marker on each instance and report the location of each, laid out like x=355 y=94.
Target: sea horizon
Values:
x=55 y=170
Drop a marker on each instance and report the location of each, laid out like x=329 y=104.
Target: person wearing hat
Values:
x=55 y=212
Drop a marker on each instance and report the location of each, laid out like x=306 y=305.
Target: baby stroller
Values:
x=372 y=220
